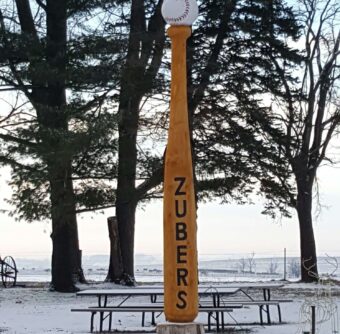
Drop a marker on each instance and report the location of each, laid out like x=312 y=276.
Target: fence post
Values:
x=313 y=319
x=284 y=264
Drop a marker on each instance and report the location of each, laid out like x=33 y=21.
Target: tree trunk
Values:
x=76 y=253
x=309 y=268
x=125 y=202
x=126 y=216
x=143 y=59
x=66 y=261
x=65 y=255
x=115 y=266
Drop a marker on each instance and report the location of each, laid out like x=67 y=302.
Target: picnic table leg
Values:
x=265 y=309
x=153 y=300
x=209 y=321
x=261 y=318
x=101 y=320
x=216 y=301
x=143 y=319
x=100 y=301
x=110 y=321
x=210 y=315
x=264 y=294
x=279 y=312
x=101 y=314
x=217 y=321
x=266 y=297
x=92 y=318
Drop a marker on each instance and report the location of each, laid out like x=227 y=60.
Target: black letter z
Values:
x=181 y=183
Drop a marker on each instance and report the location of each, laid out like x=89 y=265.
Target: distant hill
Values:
x=91 y=261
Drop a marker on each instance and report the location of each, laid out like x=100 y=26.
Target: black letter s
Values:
x=181 y=296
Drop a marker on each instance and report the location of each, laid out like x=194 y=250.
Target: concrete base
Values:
x=180 y=328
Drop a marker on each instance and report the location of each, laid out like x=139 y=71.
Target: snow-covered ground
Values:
x=34 y=309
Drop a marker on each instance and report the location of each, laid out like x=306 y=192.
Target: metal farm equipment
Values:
x=8 y=271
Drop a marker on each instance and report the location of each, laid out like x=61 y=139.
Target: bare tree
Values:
x=247 y=264
x=273 y=267
x=251 y=262
x=242 y=265
x=319 y=115
x=294 y=268
x=305 y=117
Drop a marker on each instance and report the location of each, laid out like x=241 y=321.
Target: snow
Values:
x=35 y=309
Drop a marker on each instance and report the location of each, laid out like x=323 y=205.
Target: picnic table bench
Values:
x=213 y=313
x=264 y=304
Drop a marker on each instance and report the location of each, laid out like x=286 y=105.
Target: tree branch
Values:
x=12 y=162
x=26 y=18
x=155 y=179
x=211 y=64
x=96 y=208
x=17 y=140
x=41 y=4
x=157 y=29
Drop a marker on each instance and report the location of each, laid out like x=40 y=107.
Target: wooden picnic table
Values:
x=153 y=292
x=219 y=303
x=266 y=288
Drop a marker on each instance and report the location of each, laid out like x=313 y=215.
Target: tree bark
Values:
x=76 y=253
x=65 y=255
x=126 y=190
x=309 y=268
x=115 y=266
x=126 y=213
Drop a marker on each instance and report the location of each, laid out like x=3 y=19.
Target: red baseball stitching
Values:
x=183 y=16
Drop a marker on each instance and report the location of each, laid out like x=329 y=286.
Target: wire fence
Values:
x=226 y=267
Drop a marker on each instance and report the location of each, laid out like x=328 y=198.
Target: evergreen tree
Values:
x=229 y=63
x=64 y=65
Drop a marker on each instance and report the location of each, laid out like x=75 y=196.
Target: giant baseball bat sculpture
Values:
x=180 y=251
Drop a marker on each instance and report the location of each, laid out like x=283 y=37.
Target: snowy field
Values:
x=34 y=309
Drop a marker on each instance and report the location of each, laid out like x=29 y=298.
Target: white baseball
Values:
x=180 y=12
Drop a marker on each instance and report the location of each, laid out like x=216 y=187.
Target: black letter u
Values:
x=181 y=214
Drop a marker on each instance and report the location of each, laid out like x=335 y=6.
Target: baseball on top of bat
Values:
x=180 y=12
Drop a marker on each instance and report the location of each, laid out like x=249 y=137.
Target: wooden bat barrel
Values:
x=180 y=250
